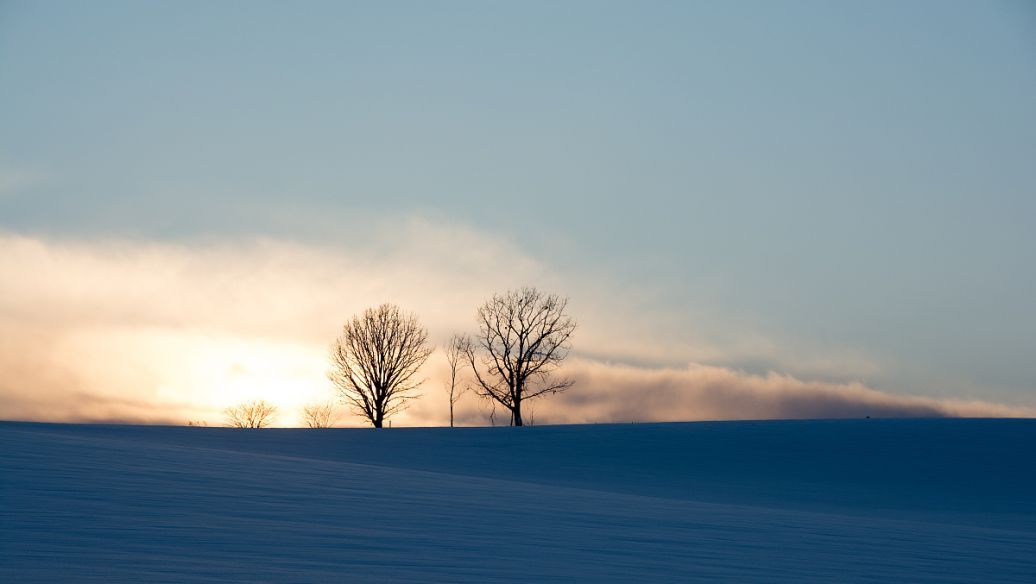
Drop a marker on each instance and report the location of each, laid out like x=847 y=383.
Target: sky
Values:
x=757 y=209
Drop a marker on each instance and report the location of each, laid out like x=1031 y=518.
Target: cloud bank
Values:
x=169 y=332
x=701 y=392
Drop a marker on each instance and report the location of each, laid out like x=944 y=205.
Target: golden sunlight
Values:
x=213 y=372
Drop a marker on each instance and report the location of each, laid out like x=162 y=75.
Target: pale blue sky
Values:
x=850 y=175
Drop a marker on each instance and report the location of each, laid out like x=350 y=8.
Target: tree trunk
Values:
x=451 y=410
x=516 y=414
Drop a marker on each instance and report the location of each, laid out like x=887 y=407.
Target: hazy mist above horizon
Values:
x=757 y=209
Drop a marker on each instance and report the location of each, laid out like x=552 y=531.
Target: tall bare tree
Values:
x=523 y=336
x=455 y=358
x=319 y=415
x=251 y=414
x=375 y=360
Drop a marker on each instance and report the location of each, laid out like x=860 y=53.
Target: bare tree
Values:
x=455 y=358
x=492 y=413
x=252 y=414
x=374 y=362
x=523 y=336
x=319 y=415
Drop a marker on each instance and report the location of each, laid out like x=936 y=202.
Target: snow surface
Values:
x=788 y=501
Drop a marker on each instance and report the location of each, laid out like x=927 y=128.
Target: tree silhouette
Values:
x=374 y=361
x=523 y=336
x=455 y=358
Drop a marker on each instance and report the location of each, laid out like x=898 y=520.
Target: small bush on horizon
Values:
x=251 y=414
x=319 y=415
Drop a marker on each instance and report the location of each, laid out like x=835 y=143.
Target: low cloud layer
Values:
x=701 y=392
x=166 y=333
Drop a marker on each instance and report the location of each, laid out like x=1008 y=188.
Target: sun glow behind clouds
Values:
x=215 y=372
x=174 y=375
x=171 y=332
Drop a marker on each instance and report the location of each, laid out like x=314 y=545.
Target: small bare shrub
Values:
x=319 y=415
x=251 y=414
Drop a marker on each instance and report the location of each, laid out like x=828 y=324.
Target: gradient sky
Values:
x=839 y=191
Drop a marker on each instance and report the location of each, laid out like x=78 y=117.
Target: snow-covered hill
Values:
x=847 y=501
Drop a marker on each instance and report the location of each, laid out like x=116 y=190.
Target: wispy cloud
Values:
x=170 y=332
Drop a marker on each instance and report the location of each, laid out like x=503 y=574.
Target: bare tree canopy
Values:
x=319 y=415
x=374 y=362
x=252 y=414
x=455 y=358
x=523 y=336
